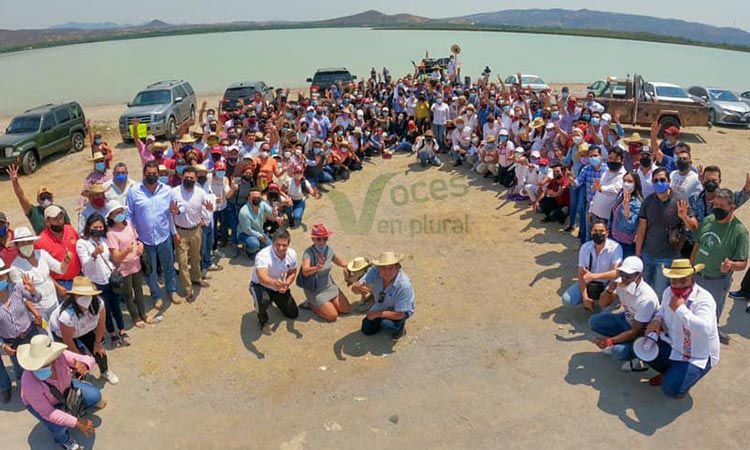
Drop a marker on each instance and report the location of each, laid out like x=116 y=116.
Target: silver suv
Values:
x=162 y=106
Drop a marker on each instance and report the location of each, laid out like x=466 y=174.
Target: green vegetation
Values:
x=115 y=36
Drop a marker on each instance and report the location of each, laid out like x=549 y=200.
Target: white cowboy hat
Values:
x=387 y=259
x=83 y=286
x=357 y=264
x=41 y=352
x=4 y=269
x=23 y=234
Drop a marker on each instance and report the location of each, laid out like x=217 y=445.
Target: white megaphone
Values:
x=646 y=347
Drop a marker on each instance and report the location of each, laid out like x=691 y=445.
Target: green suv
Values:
x=40 y=132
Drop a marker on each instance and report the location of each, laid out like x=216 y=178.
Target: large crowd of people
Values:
x=659 y=236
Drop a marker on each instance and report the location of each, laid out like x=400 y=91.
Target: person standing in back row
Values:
x=35 y=213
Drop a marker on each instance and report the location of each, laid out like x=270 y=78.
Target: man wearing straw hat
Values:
x=393 y=294
x=99 y=175
x=97 y=205
x=49 y=375
x=687 y=329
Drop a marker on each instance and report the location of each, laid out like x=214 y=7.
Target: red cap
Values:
x=298 y=170
x=273 y=187
x=220 y=165
x=320 y=230
x=216 y=150
x=543 y=162
x=412 y=125
x=673 y=131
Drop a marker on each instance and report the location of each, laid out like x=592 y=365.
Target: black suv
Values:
x=325 y=78
x=40 y=132
x=242 y=92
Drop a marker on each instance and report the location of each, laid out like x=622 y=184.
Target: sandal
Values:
x=148 y=320
x=116 y=342
x=125 y=339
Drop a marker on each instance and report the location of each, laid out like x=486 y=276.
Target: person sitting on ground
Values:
x=488 y=158
x=273 y=273
x=426 y=147
x=556 y=201
x=639 y=303
x=598 y=261
x=393 y=294
x=323 y=295
x=44 y=197
x=537 y=179
x=687 y=329
x=49 y=375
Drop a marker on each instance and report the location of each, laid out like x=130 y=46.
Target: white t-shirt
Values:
x=191 y=206
x=440 y=113
x=685 y=186
x=277 y=268
x=96 y=269
x=294 y=190
x=641 y=306
x=81 y=325
x=647 y=185
x=611 y=182
x=608 y=258
x=40 y=275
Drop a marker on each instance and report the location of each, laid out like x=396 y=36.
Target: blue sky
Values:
x=44 y=13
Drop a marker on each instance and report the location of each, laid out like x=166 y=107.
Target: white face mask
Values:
x=628 y=186
x=577 y=140
x=26 y=250
x=84 y=302
x=631 y=288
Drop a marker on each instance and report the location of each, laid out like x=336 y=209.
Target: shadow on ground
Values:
x=357 y=345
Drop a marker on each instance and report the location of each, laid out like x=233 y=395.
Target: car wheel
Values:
x=712 y=117
x=30 y=162
x=77 y=142
x=171 y=128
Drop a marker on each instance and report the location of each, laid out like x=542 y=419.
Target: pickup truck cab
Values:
x=40 y=132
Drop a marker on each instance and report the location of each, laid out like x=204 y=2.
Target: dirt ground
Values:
x=491 y=359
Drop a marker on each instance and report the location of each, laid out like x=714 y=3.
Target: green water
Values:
x=112 y=72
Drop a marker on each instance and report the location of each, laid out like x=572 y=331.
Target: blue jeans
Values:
x=572 y=296
x=583 y=213
x=610 y=325
x=439 y=131
x=404 y=147
x=679 y=376
x=112 y=307
x=424 y=159
x=370 y=327
x=298 y=210
x=230 y=217
x=207 y=244
x=653 y=275
x=253 y=245
x=5 y=381
x=91 y=396
x=575 y=204
x=165 y=253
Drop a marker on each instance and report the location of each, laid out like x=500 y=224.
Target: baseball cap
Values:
x=535 y=154
x=52 y=211
x=150 y=137
x=216 y=150
x=221 y=165
x=673 y=131
x=503 y=132
x=43 y=190
x=631 y=265
x=543 y=162
x=3 y=218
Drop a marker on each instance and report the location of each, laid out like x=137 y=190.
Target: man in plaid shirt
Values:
x=588 y=176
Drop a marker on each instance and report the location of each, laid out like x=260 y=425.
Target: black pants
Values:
x=264 y=297
x=87 y=340
x=552 y=211
x=745 y=285
x=506 y=176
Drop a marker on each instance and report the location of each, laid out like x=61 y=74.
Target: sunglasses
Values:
x=659 y=180
x=381 y=297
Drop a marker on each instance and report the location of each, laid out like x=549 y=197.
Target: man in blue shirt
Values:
x=586 y=178
x=393 y=294
x=150 y=207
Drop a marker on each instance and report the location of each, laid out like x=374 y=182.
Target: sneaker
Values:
x=724 y=338
x=739 y=295
x=266 y=329
x=568 y=229
x=72 y=444
x=656 y=381
x=111 y=377
x=215 y=267
x=634 y=365
x=399 y=334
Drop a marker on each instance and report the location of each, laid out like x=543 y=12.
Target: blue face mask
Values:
x=3 y=230
x=100 y=166
x=661 y=187
x=503 y=139
x=316 y=151
x=121 y=177
x=221 y=174
x=506 y=108
x=288 y=115
x=543 y=169
x=164 y=179
x=585 y=117
x=595 y=121
x=310 y=114
x=611 y=139
x=3 y=285
x=179 y=169
x=120 y=218
x=43 y=373
x=321 y=249
x=97 y=141
x=595 y=161
x=555 y=115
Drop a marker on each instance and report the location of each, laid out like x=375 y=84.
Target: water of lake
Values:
x=112 y=72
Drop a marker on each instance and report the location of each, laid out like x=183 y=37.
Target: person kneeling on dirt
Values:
x=426 y=148
x=46 y=382
x=393 y=294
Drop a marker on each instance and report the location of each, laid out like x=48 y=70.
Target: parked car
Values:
x=724 y=107
x=608 y=88
x=324 y=78
x=40 y=132
x=241 y=92
x=745 y=97
x=529 y=81
x=667 y=92
x=162 y=106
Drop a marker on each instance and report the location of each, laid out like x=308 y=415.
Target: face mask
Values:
x=202 y=180
x=503 y=139
x=439 y=101
x=298 y=152
x=188 y=184
x=598 y=238
x=255 y=201
x=98 y=202
x=98 y=233
x=628 y=186
x=340 y=133
x=558 y=176
x=120 y=218
x=3 y=285
x=57 y=228
x=97 y=141
x=329 y=144
x=721 y=214
x=577 y=140
x=661 y=187
x=594 y=121
x=683 y=165
x=164 y=179
x=564 y=95
x=232 y=159
x=179 y=169
x=151 y=179
x=100 y=166
x=247 y=178
x=321 y=249
x=264 y=154
x=595 y=161
x=543 y=170
x=614 y=166
x=26 y=250
x=645 y=162
x=221 y=174
x=631 y=288
x=474 y=141
x=84 y=302
x=3 y=230
x=287 y=155
x=232 y=137
x=43 y=373
x=310 y=115
x=506 y=108
x=288 y=115
x=121 y=177
x=682 y=292
x=611 y=139
x=460 y=127
x=555 y=115
x=711 y=186
x=585 y=117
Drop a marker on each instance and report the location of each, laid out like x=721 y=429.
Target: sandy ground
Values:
x=491 y=360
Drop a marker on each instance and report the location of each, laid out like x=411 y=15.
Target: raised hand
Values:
x=12 y=171
x=28 y=283
x=682 y=209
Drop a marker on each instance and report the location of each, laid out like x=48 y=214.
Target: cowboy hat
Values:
x=97 y=156
x=320 y=230
x=429 y=133
x=681 y=268
x=634 y=138
x=387 y=259
x=23 y=234
x=186 y=139
x=41 y=352
x=95 y=189
x=3 y=268
x=158 y=146
x=357 y=264
x=83 y=286
x=538 y=122
x=163 y=168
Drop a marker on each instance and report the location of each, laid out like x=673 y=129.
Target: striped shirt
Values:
x=587 y=176
x=15 y=319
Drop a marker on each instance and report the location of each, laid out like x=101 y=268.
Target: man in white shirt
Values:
x=598 y=261
x=117 y=188
x=205 y=182
x=608 y=187
x=684 y=182
x=192 y=201
x=639 y=302
x=537 y=177
x=687 y=329
x=460 y=141
x=646 y=170
x=440 y=113
x=275 y=270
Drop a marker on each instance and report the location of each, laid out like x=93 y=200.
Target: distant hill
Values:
x=89 y=26
x=372 y=18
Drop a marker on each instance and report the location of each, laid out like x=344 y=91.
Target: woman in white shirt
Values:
x=81 y=318
x=297 y=188
x=96 y=264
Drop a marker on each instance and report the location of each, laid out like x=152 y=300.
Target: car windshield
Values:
x=152 y=98
x=531 y=80
x=722 y=95
x=671 y=91
x=26 y=124
x=242 y=92
x=332 y=77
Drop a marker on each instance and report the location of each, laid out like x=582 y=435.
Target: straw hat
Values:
x=97 y=156
x=96 y=189
x=41 y=352
x=429 y=134
x=163 y=168
x=357 y=264
x=158 y=146
x=320 y=230
x=83 y=286
x=387 y=259
x=186 y=139
x=537 y=123
x=23 y=234
x=634 y=138
x=681 y=268
x=3 y=268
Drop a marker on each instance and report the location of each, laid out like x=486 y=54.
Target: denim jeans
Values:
x=679 y=376
x=718 y=288
x=230 y=217
x=439 y=131
x=91 y=396
x=164 y=252
x=253 y=245
x=370 y=327
x=297 y=212
x=221 y=231
x=575 y=204
x=5 y=381
x=572 y=296
x=112 y=307
x=404 y=147
x=424 y=159
x=653 y=275
x=207 y=244
x=583 y=214
x=610 y=325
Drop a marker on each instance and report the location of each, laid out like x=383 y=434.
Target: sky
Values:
x=45 y=13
